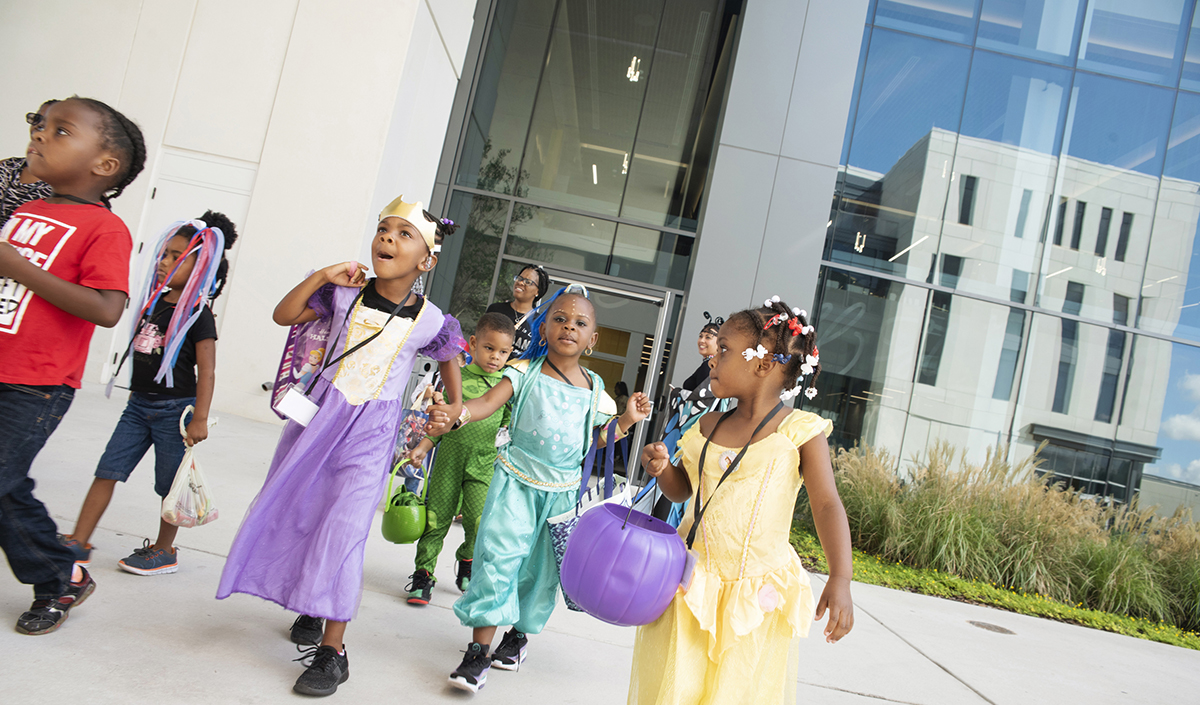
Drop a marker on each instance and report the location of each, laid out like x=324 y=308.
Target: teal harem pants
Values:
x=514 y=578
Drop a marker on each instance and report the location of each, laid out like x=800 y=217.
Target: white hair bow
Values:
x=750 y=354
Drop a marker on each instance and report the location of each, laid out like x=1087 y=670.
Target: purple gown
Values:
x=301 y=544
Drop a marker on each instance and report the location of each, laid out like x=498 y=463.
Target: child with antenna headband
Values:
x=556 y=404
x=173 y=343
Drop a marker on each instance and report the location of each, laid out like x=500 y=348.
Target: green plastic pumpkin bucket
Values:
x=404 y=517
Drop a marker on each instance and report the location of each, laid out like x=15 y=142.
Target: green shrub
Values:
x=1005 y=524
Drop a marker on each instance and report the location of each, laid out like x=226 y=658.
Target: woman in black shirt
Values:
x=528 y=288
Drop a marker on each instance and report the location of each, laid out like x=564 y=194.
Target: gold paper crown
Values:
x=414 y=213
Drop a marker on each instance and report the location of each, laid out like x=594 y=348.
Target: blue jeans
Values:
x=146 y=422
x=28 y=535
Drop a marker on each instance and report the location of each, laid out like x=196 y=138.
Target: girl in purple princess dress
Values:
x=301 y=543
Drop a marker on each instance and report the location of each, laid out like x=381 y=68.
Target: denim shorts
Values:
x=146 y=422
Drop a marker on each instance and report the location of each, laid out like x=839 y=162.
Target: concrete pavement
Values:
x=165 y=638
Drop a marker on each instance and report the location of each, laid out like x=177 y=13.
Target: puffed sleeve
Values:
x=322 y=301
x=802 y=426
x=448 y=342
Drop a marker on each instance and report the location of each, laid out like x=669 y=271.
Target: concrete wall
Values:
x=299 y=118
x=1169 y=496
x=767 y=203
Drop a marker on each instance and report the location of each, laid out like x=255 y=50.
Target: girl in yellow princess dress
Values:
x=732 y=636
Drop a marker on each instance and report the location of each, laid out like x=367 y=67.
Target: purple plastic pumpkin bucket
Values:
x=622 y=572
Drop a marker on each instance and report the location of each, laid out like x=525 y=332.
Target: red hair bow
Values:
x=796 y=326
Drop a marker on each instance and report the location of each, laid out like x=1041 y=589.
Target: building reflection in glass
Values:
x=1009 y=258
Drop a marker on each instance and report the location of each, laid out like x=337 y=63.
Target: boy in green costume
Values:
x=465 y=462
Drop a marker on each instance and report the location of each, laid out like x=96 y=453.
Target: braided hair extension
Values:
x=123 y=136
x=537 y=316
x=222 y=222
x=799 y=339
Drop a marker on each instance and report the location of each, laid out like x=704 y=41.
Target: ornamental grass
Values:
x=1007 y=524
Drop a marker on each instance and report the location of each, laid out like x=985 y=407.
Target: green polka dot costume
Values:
x=461 y=474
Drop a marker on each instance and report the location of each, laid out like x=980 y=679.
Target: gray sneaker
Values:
x=149 y=560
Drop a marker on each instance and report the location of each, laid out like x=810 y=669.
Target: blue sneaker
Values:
x=83 y=554
x=149 y=560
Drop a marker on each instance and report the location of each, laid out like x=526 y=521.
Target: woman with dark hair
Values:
x=529 y=286
x=691 y=401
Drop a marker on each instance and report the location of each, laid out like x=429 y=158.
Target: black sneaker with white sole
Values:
x=46 y=615
x=471 y=674
x=325 y=673
x=509 y=655
x=307 y=631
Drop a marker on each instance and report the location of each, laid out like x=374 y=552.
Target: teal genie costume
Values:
x=462 y=472
x=536 y=476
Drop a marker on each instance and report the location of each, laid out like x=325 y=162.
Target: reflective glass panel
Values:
x=651 y=256
x=1141 y=40
x=562 y=239
x=1004 y=171
x=588 y=103
x=499 y=118
x=1171 y=289
x=678 y=120
x=463 y=275
x=945 y=19
x=1164 y=414
x=868 y=330
x=1190 y=76
x=1038 y=29
x=1071 y=392
x=1101 y=214
x=965 y=374
x=891 y=199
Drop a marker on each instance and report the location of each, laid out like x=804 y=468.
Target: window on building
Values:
x=1068 y=355
x=1113 y=357
x=1023 y=213
x=939 y=321
x=1014 y=329
x=1102 y=233
x=1077 y=226
x=966 y=200
x=1058 y=222
x=1123 y=237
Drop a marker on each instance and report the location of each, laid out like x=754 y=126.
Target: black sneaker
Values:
x=509 y=655
x=327 y=671
x=44 y=616
x=462 y=576
x=471 y=674
x=420 y=588
x=307 y=630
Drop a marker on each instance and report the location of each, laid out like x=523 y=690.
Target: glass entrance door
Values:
x=632 y=323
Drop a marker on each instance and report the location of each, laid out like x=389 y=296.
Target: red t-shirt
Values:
x=86 y=245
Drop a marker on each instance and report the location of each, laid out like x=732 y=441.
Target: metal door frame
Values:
x=654 y=296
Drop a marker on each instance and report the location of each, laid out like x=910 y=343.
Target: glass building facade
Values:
x=1010 y=252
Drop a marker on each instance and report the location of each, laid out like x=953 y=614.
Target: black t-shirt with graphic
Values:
x=148 y=352
x=524 y=335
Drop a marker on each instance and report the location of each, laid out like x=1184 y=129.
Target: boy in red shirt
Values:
x=64 y=269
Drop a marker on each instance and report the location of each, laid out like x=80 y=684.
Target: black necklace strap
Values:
x=564 y=377
x=75 y=199
x=698 y=511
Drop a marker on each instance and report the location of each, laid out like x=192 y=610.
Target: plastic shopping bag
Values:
x=190 y=502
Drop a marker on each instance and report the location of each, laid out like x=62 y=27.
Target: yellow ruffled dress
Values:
x=733 y=637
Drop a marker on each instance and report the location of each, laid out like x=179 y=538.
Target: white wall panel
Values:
x=226 y=89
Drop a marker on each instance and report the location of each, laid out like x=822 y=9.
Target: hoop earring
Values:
x=588 y=352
